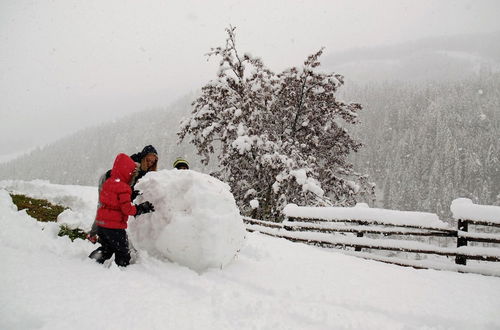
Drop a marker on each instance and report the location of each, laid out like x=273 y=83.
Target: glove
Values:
x=92 y=238
x=145 y=207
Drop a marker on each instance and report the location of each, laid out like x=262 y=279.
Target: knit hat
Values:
x=149 y=149
x=180 y=162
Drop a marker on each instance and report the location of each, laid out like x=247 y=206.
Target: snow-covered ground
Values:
x=47 y=282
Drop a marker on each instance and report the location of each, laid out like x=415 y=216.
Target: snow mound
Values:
x=196 y=222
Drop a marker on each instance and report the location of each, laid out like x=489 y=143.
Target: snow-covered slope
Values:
x=47 y=282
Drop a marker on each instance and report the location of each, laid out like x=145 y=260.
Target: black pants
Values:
x=112 y=241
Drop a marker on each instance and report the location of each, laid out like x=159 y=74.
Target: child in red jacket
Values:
x=116 y=207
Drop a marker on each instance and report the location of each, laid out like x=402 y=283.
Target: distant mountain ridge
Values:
x=484 y=45
x=433 y=59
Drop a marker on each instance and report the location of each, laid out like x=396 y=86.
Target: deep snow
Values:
x=47 y=282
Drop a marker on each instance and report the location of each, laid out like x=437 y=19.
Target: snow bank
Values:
x=364 y=213
x=196 y=223
x=18 y=230
x=463 y=208
x=6 y=202
x=81 y=200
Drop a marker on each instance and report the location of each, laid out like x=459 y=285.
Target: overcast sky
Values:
x=67 y=64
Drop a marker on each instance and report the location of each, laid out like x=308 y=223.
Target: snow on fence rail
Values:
x=362 y=212
x=314 y=225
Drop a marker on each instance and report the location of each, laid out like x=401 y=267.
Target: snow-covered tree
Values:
x=279 y=138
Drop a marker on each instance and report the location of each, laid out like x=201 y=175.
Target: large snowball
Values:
x=196 y=223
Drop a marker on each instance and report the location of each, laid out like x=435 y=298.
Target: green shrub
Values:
x=72 y=233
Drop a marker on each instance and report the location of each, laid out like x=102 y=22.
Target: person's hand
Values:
x=145 y=207
x=92 y=238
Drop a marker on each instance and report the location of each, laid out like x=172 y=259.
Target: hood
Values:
x=123 y=168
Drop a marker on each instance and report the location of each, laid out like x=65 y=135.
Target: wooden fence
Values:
x=363 y=236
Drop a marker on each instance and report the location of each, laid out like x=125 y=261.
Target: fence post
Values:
x=461 y=241
x=359 y=234
x=357 y=248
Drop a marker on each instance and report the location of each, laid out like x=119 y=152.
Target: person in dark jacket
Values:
x=115 y=208
x=148 y=160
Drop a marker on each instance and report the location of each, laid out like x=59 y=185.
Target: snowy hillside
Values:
x=48 y=282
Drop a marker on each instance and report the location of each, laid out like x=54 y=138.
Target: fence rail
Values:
x=333 y=233
x=362 y=227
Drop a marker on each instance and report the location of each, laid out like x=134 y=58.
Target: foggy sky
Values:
x=68 y=64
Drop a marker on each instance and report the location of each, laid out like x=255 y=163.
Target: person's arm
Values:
x=126 y=205
x=128 y=208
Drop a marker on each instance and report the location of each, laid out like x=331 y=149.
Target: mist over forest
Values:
x=430 y=126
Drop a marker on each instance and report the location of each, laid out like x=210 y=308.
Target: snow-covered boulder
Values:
x=196 y=222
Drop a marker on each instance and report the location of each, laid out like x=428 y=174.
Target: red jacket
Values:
x=115 y=195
